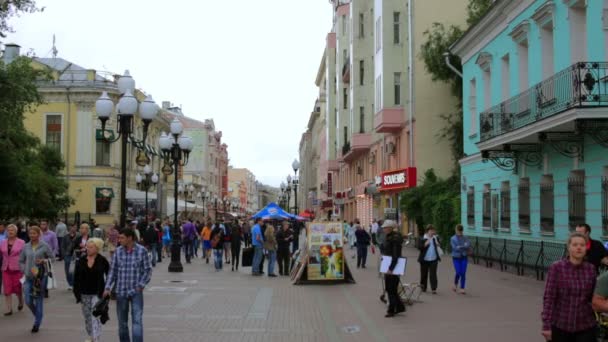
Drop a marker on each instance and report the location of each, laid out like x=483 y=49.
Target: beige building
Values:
x=247 y=178
x=365 y=89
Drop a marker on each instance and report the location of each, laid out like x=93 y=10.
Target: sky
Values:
x=248 y=65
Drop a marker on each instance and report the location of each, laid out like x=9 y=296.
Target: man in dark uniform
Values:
x=392 y=245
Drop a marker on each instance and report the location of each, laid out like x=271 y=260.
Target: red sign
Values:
x=328 y=204
x=329 y=184
x=398 y=179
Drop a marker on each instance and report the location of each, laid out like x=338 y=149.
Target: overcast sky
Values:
x=249 y=65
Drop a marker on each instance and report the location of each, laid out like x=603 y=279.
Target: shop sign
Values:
x=328 y=204
x=399 y=179
x=329 y=184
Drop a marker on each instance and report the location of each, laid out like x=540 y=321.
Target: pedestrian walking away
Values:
x=461 y=248
x=270 y=244
x=258 y=247
x=89 y=284
x=392 y=245
x=284 y=238
x=188 y=235
x=68 y=255
x=363 y=241
x=567 y=302
x=429 y=258
x=150 y=238
x=50 y=238
x=61 y=230
x=217 y=238
x=130 y=272
x=32 y=262
x=10 y=249
x=236 y=236
x=206 y=237
x=227 y=242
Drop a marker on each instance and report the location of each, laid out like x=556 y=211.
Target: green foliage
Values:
x=11 y=8
x=477 y=9
x=31 y=179
x=436 y=201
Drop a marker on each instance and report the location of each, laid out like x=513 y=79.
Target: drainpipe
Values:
x=446 y=55
x=69 y=129
x=411 y=77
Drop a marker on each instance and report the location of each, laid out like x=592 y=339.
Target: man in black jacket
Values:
x=392 y=247
x=596 y=253
x=284 y=238
x=150 y=238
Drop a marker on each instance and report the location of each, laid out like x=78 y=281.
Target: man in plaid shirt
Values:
x=130 y=272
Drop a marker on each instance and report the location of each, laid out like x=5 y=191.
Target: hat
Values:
x=389 y=224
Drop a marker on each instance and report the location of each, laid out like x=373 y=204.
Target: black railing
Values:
x=576 y=201
x=583 y=84
x=345 y=148
x=519 y=256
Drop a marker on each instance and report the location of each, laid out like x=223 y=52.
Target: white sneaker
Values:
x=69 y=288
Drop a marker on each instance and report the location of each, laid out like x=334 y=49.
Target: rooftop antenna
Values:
x=54 y=47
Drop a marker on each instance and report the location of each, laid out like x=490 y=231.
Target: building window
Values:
x=604 y=206
x=361 y=25
x=576 y=199
x=522 y=54
x=344 y=25
x=486 y=207
x=487 y=88
x=361 y=119
x=102 y=155
x=506 y=77
x=53 y=131
x=345 y=56
x=546 y=37
x=396 y=28
x=378 y=34
x=378 y=101
x=547 y=212
x=103 y=200
x=578 y=33
x=361 y=72
x=505 y=206
x=345 y=98
x=397 y=87
x=473 y=106
x=523 y=194
x=471 y=207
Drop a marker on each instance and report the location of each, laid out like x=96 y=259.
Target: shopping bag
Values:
x=51 y=282
x=247 y=258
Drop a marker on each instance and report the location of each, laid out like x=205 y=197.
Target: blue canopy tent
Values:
x=273 y=212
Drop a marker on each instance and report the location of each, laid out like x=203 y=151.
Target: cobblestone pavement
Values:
x=203 y=305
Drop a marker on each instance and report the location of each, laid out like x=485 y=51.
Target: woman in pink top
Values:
x=10 y=248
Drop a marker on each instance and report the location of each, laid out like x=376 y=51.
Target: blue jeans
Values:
x=35 y=304
x=256 y=267
x=137 y=310
x=361 y=255
x=272 y=259
x=67 y=260
x=153 y=250
x=460 y=266
x=217 y=258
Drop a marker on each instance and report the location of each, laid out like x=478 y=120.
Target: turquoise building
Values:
x=535 y=97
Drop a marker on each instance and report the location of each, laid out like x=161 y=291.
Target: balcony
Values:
x=346 y=71
x=583 y=85
x=359 y=144
x=389 y=120
x=332 y=165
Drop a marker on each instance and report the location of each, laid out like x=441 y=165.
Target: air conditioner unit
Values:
x=391 y=148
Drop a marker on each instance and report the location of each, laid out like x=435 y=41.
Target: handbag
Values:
x=51 y=283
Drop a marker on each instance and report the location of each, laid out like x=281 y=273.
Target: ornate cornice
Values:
x=520 y=32
x=484 y=60
x=544 y=14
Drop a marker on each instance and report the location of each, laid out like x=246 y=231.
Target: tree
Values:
x=31 y=179
x=11 y=8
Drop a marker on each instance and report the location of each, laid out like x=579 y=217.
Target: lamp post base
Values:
x=176 y=264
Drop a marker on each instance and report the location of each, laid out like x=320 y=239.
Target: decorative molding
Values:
x=472 y=159
x=575 y=3
x=519 y=34
x=544 y=15
x=596 y=129
x=569 y=144
x=484 y=60
x=504 y=160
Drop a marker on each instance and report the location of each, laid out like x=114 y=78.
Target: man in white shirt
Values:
x=61 y=230
x=375 y=228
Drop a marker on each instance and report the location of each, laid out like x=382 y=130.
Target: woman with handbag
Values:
x=461 y=247
x=89 y=284
x=10 y=248
x=430 y=255
x=270 y=244
x=32 y=261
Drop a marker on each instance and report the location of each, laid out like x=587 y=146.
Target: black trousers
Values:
x=235 y=250
x=589 y=335
x=428 y=268
x=361 y=255
x=283 y=260
x=391 y=283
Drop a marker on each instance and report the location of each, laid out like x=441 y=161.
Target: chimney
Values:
x=166 y=104
x=11 y=52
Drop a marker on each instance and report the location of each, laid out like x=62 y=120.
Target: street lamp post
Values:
x=146 y=183
x=282 y=197
x=296 y=166
x=288 y=190
x=176 y=148
x=125 y=109
x=215 y=200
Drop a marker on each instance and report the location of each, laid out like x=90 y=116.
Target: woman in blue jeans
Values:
x=32 y=261
x=460 y=256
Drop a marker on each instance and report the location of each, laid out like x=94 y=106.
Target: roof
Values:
x=69 y=71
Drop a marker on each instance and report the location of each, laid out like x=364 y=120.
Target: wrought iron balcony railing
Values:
x=583 y=84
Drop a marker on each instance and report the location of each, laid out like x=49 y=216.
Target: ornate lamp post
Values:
x=146 y=183
x=296 y=166
x=288 y=191
x=125 y=109
x=176 y=149
x=215 y=200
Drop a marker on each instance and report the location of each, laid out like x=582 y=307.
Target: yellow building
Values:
x=68 y=121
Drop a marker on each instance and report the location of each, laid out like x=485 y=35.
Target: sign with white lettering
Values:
x=398 y=179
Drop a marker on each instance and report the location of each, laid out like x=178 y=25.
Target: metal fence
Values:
x=519 y=256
